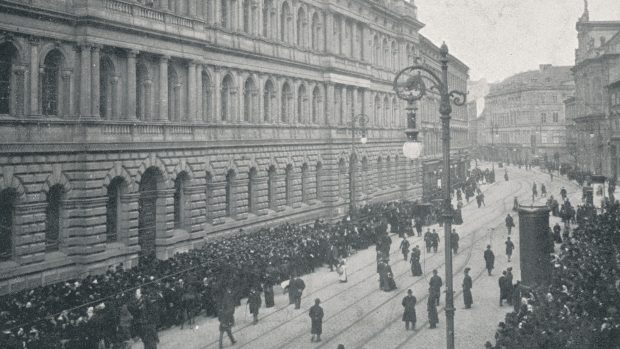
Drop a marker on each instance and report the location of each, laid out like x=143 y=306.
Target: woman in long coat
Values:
x=467 y=285
x=416 y=268
x=409 y=315
x=431 y=307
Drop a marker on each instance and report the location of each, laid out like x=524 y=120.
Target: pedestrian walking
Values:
x=404 y=247
x=435 y=284
x=316 y=317
x=416 y=268
x=534 y=191
x=297 y=286
x=509 y=248
x=435 y=240
x=409 y=315
x=428 y=240
x=454 y=241
x=543 y=190
x=226 y=316
x=509 y=278
x=342 y=271
x=467 y=286
x=254 y=303
x=502 y=288
x=510 y=223
x=433 y=317
x=489 y=259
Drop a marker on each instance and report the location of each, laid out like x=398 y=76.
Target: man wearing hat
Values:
x=489 y=259
x=316 y=316
x=409 y=315
x=467 y=285
x=435 y=284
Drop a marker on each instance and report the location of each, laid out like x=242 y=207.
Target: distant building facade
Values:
x=525 y=116
x=597 y=98
x=142 y=128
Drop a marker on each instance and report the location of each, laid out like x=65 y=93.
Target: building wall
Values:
x=191 y=121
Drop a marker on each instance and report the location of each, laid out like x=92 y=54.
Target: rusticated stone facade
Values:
x=141 y=127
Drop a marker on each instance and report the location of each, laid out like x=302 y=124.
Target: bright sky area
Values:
x=499 y=38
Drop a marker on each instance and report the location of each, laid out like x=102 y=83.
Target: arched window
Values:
x=302 y=24
x=180 y=200
x=269 y=95
x=174 y=91
x=114 y=209
x=377 y=51
x=247 y=21
x=342 y=173
x=288 y=185
x=349 y=38
x=319 y=181
x=395 y=112
x=249 y=103
x=338 y=105
x=206 y=97
x=11 y=81
x=386 y=111
x=230 y=193
x=51 y=83
x=252 y=190
x=287 y=96
x=359 y=41
x=225 y=13
x=271 y=187
x=350 y=108
x=8 y=198
x=285 y=21
x=143 y=92
x=227 y=99
x=336 y=37
x=394 y=64
x=209 y=195
x=304 y=183
x=267 y=10
x=53 y=215
x=316 y=32
x=317 y=102
x=378 y=109
x=107 y=89
x=301 y=104
x=385 y=61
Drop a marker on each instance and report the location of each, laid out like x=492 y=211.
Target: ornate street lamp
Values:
x=412 y=84
x=362 y=120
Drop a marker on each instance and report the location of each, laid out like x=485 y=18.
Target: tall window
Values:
x=287 y=96
x=336 y=37
x=338 y=105
x=288 y=185
x=53 y=217
x=142 y=92
x=302 y=24
x=316 y=104
x=246 y=17
x=556 y=116
x=271 y=187
x=269 y=96
x=114 y=209
x=285 y=20
x=107 y=88
x=319 y=181
x=206 y=97
x=180 y=200
x=174 y=90
x=395 y=117
x=51 y=79
x=252 y=190
x=8 y=198
x=316 y=32
x=301 y=104
x=543 y=118
x=378 y=115
x=8 y=90
x=267 y=8
x=226 y=99
x=248 y=99
x=386 y=111
x=376 y=51
x=224 y=15
x=230 y=194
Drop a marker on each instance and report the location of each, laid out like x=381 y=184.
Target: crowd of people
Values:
x=108 y=310
x=579 y=308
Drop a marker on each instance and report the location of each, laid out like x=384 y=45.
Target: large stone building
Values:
x=136 y=128
x=597 y=97
x=525 y=116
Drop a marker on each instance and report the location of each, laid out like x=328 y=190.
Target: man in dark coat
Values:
x=454 y=241
x=435 y=284
x=435 y=240
x=149 y=336
x=316 y=316
x=226 y=315
x=510 y=246
x=298 y=288
x=255 y=302
x=404 y=247
x=489 y=259
x=428 y=239
x=502 y=288
x=467 y=285
x=409 y=315
x=509 y=222
x=433 y=317
x=509 y=278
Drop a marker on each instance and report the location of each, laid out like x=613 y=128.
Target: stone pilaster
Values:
x=85 y=81
x=163 y=87
x=131 y=84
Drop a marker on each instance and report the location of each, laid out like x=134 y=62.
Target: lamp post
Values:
x=412 y=84
x=362 y=119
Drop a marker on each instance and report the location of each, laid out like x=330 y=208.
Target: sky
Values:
x=499 y=38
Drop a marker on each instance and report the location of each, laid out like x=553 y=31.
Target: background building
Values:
x=142 y=128
x=597 y=82
x=525 y=115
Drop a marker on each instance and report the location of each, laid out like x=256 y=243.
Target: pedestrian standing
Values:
x=509 y=278
x=467 y=285
x=254 y=302
x=509 y=248
x=409 y=315
x=435 y=284
x=428 y=240
x=433 y=318
x=316 y=317
x=489 y=259
x=509 y=221
x=404 y=247
x=298 y=289
x=454 y=241
x=502 y=288
x=416 y=268
x=342 y=271
x=435 y=240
